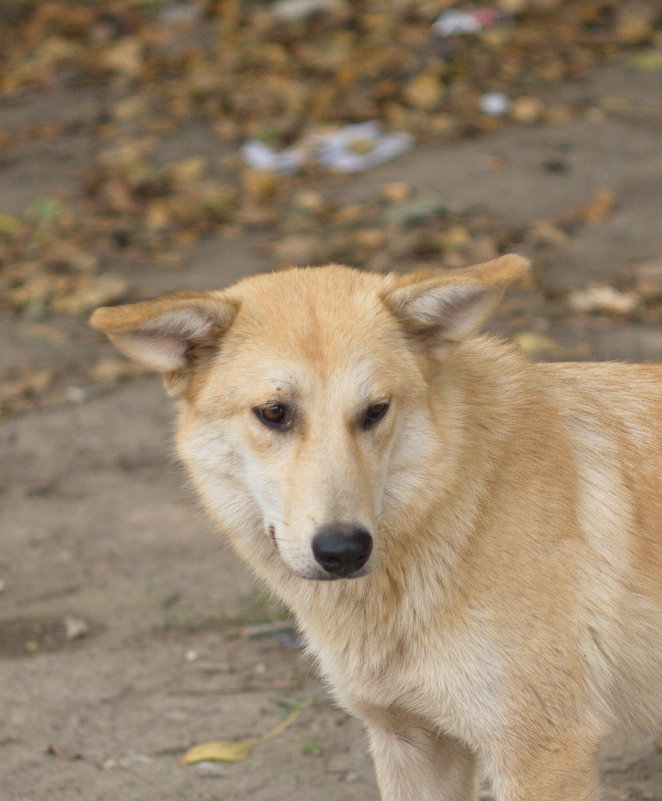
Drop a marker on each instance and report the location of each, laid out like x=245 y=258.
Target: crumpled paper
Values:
x=352 y=148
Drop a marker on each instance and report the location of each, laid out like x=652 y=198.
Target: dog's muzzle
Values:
x=342 y=548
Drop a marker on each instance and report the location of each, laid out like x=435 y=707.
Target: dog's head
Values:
x=306 y=402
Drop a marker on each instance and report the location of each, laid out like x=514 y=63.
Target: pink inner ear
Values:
x=450 y=311
x=158 y=351
x=161 y=343
x=186 y=323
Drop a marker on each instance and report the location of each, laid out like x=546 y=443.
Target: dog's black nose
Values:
x=342 y=548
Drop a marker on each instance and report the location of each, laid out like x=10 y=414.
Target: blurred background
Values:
x=148 y=146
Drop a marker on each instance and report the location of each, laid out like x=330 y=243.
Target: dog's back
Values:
x=613 y=413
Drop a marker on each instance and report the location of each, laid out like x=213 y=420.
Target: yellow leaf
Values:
x=219 y=751
x=526 y=109
x=187 y=170
x=425 y=91
x=157 y=214
x=125 y=56
x=600 y=298
x=233 y=750
x=600 y=207
x=539 y=345
x=9 y=224
x=259 y=184
x=115 y=369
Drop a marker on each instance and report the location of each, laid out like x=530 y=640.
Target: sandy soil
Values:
x=98 y=524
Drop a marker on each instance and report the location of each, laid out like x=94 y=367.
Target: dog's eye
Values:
x=275 y=415
x=374 y=414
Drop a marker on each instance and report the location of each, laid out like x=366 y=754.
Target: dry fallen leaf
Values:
x=649 y=279
x=425 y=91
x=603 y=299
x=309 y=200
x=43 y=331
x=188 y=170
x=90 y=292
x=113 y=370
x=545 y=232
x=540 y=345
x=601 y=206
x=395 y=192
x=648 y=60
x=125 y=56
x=526 y=109
x=243 y=71
x=63 y=753
x=27 y=386
x=297 y=249
x=635 y=22
x=259 y=185
x=233 y=750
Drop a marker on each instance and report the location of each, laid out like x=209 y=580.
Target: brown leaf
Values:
x=546 y=232
x=188 y=170
x=19 y=392
x=158 y=214
x=601 y=206
x=113 y=370
x=126 y=56
x=51 y=53
x=395 y=192
x=635 y=21
x=649 y=279
x=44 y=331
x=539 y=345
x=63 y=753
x=526 y=109
x=603 y=299
x=371 y=238
x=425 y=91
x=297 y=249
x=90 y=292
x=260 y=184
x=309 y=200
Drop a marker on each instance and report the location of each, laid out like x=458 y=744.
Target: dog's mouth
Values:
x=271 y=530
x=319 y=572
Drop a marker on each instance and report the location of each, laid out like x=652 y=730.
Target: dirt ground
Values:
x=124 y=621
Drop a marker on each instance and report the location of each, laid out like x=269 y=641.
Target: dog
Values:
x=471 y=542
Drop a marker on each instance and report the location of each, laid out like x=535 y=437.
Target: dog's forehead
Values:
x=350 y=379
x=309 y=333
x=319 y=314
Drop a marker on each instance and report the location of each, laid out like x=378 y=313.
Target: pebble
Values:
x=495 y=104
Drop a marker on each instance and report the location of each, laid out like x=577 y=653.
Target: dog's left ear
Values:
x=169 y=334
x=452 y=305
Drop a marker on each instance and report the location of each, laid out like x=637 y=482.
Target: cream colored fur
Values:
x=511 y=611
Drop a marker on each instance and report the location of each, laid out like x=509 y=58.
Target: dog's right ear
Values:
x=450 y=305
x=168 y=334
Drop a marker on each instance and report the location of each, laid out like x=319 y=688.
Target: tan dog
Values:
x=493 y=526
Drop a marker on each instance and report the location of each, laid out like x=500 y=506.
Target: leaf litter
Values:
x=328 y=82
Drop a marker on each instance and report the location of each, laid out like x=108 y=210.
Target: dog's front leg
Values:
x=413 y=764
x=560 y=770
